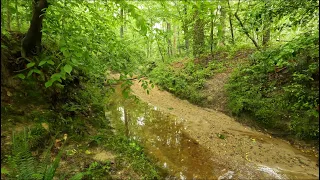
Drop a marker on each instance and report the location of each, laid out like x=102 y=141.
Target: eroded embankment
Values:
x=244 y=151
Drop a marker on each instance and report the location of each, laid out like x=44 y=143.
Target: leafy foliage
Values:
x=185 y=82
x=25 y=166
x=285 y=92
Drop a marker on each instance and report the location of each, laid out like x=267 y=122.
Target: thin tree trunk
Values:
x=247 y=32
x=2 y=15
x=174 y=47
x=121 y=28
x=147 y=47
x=221 y=31
x=160 y=51
x=230 y=22
x=17 y=15
x=178 y=44
x=211 y=33
x=150 y=41
x=185 y=29
x=126 y=122
x=169 y=40
x=8 y=15
x=266 y=26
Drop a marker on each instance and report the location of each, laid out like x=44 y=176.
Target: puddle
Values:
x=173 y=147
x=163 y=137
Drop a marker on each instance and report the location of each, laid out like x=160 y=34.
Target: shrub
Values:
x=281 y=87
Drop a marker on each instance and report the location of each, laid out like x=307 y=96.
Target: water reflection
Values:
x=163 y=137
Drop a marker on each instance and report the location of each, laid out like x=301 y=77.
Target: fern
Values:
x=22 y=161
x=25 y=166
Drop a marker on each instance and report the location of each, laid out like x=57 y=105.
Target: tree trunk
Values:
x=174 y=47
x=198 y=33
x=266 y=26
x=221 y=30
x=147 y=47
x=121 y=28
x=32 y=40
x=8 y=15
x=211 y=33
x=185 y=29
x=126 y=121
x=2 y=15
x=178 y=43
x=230 y=22
x=150 y=42
x=247 y=32
x=17 y=15
x=169 y=39
x=160 y=51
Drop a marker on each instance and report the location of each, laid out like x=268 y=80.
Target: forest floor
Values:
x=18 y=114
x=26 y=108
x=242 y=147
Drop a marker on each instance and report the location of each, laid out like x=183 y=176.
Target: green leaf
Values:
x=4 y=171
x=78 y=176
x=78 y=54
x=48 y=83
x=125 y=93
x=50 y=62
x=56 y=76
x=42 y=63
x=21 y=76
x=74 y=60
x=37 y=71
x=30 y=72
x=68 y=68
x=29 y=65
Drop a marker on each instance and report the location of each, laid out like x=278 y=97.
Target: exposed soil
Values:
x=242 y=148
x=215 y=92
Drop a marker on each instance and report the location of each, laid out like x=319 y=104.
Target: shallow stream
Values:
x=176 y=144
x=163 y=137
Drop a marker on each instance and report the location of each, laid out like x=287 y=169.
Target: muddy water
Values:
x=163 y=137
x=182 y=138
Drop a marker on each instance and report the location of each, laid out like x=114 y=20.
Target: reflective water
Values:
x=163 y=137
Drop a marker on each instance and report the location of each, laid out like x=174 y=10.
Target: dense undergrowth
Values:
x=280 y=88
x=73 y=106
x=187 y=77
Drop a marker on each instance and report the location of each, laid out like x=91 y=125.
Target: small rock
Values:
x=227 y=175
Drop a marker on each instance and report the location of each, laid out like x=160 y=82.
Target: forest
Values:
x=151 y=89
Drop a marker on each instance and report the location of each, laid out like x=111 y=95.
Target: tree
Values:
x=8 y=15
x=32 y=40
x=266 y=25
x=222 y=25
x=230 y=22
x=198 y=31
x=185 y=27
x=245 y=30
x=169 y=39
x=122 y=22
x=17 y=15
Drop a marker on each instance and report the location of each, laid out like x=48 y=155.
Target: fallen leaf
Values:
x=65 y=136
x=45 y=126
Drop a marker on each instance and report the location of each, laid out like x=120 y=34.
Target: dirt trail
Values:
x=243 y=149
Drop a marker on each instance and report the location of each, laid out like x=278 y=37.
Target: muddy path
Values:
x=239 y=151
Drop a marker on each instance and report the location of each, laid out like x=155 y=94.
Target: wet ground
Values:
x=197 y=143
